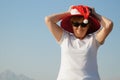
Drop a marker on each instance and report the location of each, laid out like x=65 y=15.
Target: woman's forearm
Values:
x=105 y=22
x=57 y=17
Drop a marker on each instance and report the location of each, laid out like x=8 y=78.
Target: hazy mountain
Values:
x=9 y=75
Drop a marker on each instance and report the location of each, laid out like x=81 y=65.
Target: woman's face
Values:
x=79 y=28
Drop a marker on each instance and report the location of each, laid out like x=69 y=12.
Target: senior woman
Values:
x=79 y=34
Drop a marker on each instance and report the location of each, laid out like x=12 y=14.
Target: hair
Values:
x=76 y=18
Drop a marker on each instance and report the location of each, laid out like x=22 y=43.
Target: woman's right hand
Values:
x=70 y=8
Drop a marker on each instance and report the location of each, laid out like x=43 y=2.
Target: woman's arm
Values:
x=51 y=22
x=107 y=26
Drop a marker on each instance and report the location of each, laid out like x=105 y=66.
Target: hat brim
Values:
x=94 y=24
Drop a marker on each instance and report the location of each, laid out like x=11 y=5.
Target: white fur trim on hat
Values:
x=74 y=12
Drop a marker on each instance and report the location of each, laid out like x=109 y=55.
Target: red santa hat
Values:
x=81 y=10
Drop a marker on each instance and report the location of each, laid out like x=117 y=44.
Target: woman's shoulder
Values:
x=66 y=35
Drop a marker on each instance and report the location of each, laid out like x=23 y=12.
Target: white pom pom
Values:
x=85 y=21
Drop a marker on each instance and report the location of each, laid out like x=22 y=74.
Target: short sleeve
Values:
x=64 y=35
x=96 y=41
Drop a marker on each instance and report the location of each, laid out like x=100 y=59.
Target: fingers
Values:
x=92 y=10
x=70 y=8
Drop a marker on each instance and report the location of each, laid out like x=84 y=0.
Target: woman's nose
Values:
x=79 y=27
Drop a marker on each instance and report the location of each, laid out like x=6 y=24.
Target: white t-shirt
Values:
x=78 y=58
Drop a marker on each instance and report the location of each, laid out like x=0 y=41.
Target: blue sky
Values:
x=27 y=46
